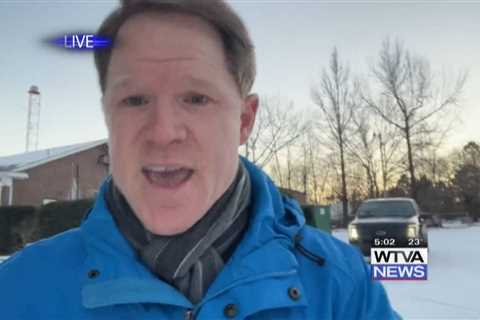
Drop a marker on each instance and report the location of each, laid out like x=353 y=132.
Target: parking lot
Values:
x=453 y=285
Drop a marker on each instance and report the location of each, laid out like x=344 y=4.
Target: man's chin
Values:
x=166 y=228
x=166 y=222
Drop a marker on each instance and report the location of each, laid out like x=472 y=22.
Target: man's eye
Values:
x=135 y=101
x=196 y=99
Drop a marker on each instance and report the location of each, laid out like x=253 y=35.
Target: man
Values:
x=184 y=229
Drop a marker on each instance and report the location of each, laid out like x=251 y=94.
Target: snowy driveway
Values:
x=452 y=290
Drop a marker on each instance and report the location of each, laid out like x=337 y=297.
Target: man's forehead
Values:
x=148 y=43
x=155 y=21
x=190 y=67
x=151 y=46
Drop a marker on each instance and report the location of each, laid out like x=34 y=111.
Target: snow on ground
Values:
x=452 y=290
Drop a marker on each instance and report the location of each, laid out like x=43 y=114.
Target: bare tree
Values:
x=333 y=95
x=315 y=171
x=277 y=126
x=375 y=146
x=389 y=148
x=361 y=147
x=410 y=96
x=304 y=167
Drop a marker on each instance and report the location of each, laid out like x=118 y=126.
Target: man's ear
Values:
x=247 y=118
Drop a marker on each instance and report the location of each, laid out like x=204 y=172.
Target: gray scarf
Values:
x=189 y=261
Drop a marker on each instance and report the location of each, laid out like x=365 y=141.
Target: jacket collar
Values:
x=112 y=272
x=264 y=261
x=272 y=214
x=122 y=277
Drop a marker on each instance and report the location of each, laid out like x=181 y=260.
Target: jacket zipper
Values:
x=307 y=253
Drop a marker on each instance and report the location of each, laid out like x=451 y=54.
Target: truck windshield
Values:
x=386 y=209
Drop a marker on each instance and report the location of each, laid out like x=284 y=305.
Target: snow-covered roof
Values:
x=27 y=160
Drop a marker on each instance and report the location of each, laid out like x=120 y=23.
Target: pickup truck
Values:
x=387 y=222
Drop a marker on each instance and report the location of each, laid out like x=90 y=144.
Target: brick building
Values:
x=63 y=173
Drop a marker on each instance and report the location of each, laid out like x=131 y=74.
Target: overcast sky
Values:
x=293 y=41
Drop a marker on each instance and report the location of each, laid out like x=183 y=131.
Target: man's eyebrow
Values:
x=126 y=80
x=163 y=60
x=122 y=81
x=200 y=82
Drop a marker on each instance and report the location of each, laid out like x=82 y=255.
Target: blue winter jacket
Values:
x=282 y=269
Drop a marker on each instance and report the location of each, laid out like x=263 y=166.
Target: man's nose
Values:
x=166 y=124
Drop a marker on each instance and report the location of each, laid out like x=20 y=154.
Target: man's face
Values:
x=175 y=119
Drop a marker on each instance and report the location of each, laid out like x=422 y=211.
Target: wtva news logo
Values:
x=81 y=42
x=399 y=263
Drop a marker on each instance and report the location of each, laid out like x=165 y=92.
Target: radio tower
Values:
x=33 y=120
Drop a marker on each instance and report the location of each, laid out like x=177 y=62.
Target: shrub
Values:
x=59 y=216
x=15 y=227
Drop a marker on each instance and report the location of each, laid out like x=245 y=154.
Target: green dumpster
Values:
x=318 y=217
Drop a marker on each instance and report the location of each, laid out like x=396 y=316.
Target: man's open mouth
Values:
x=167 y=176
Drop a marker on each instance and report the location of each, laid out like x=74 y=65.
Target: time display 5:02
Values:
x=384 y=242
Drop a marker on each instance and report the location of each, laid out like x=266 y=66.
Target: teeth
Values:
x=163 y=169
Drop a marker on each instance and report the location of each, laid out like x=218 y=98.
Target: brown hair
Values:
x=237 y=44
